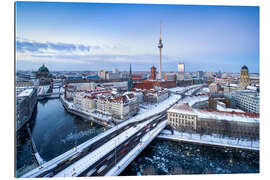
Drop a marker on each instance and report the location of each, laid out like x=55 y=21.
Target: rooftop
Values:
x=184 y=108
x=26 y=92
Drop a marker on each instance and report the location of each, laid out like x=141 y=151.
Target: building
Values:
x=153 y=73
x=102 y=74
x=118 y=106
x=199 y=74
x=234 y=124
x=229 y=88
x=247 y=100
x=113 y=76
x=24 y=83
x=181 y=68
x=156 y=95
x=69 y=91
x=244 y=78
x=26 y=101
x=43 y=72
x=215 y=88
x=170 y=77
x=182 y=116
x=222 y=101
x=150 y=84
x=84 y=101
x=130 y=80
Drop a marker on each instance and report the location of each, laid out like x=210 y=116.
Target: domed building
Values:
x=43 y=72
x=244 y=78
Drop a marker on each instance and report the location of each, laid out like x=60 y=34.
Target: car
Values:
x=109 y=157
x=50 y=174
x=101 y=168
x=92 y=171
x=123 y=151
x=126 y=144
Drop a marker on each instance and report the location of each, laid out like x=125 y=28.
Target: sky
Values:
x=95 y=36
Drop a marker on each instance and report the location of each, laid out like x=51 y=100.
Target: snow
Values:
x=210 y=140
x=191 y=100
x=181 y=89
x=39 y=159
x=42 y=90
x=220 y=108
x=146 y=139
x=225 y=116
x=25 y=92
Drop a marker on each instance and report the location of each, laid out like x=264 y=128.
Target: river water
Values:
x=55 y=131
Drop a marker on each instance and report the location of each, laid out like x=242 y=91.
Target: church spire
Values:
x=130 y=80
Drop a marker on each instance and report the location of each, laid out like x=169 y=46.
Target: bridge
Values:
x=109 y=153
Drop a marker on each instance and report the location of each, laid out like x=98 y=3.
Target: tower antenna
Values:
x=160 y=29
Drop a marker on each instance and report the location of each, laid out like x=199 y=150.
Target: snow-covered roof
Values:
x=221 y=115
x=26 y=92
x=184 y=108
x=252 y=87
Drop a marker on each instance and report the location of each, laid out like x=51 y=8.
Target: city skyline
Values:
x=91 y=36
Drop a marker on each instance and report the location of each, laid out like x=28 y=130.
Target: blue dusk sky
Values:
x=93 y=36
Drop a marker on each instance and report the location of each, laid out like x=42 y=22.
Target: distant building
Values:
x=170 y=77
x=215 y=88
x=156 y=95
x=199 y=74
x=92 y=77
x=102 y=74
x=150 y=84
x=113 y=76
x=153 y=73
x=244 y=78
x=43 y=72
x=130 y=80
x=181 y=67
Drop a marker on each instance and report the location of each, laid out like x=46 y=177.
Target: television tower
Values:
x=160 y=46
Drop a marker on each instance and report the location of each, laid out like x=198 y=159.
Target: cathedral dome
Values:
x=244 y=67
x=43 y=68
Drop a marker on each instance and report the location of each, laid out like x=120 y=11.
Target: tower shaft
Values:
x=160 y=46
x=159 y=71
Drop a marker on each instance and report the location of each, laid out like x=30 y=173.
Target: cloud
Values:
x=25 y=45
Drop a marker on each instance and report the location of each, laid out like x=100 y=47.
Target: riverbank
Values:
x=89 y=116
x=210 y=140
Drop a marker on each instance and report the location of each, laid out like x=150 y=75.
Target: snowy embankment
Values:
x=146 y=139
x=210 y=140
x=191 y=100
x=220 y=108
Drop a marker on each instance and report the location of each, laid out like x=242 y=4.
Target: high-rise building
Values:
x=160 y=46
x=181 y=67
